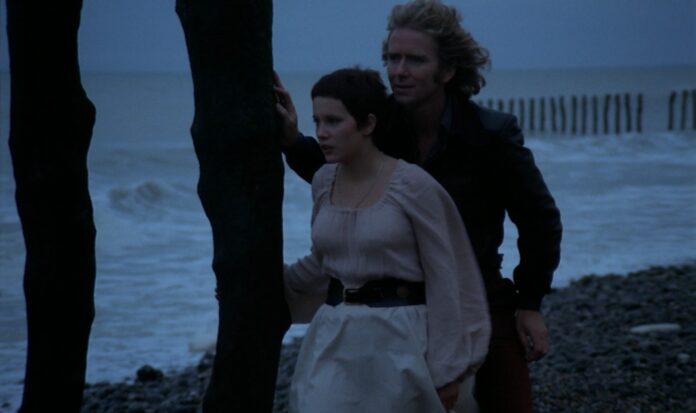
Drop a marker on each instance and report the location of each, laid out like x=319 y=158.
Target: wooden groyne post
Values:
x=605 y=117
x=693 y=109
x=627 y=106
x=561 y=107
x=51 y=120
x=639 y=113
x=542 y=110
x=684 y=102
x=234 y=136
x=617 y=113
x=595 y=116
x=670 y=116
x=573 y=111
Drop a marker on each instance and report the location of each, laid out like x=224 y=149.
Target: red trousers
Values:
x=502 y=383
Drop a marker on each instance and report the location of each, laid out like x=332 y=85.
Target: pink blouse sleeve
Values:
x=458 y=319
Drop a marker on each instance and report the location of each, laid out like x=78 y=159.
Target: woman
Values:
x=405 y=316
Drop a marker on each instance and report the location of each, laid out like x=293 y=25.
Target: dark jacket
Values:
x=482 y=162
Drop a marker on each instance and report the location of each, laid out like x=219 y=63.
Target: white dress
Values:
x=356 y=358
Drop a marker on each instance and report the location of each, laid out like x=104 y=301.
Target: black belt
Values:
x=387 y=292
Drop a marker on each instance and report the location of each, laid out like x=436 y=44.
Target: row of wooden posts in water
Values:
x=583 y=107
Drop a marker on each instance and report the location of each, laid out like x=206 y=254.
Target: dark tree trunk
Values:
x=240 y=187
x=50 y=130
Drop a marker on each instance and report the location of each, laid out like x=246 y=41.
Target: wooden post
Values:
x=553 y=115
x=595 y=117
x=489 y=103
x=574 y=116
x=241 y=190
x=521 y=113
x=563 y=114
x=542 y=110
x=583 y=114
x=531 y=114
x=670 y=122
x=693 y=109
x=607 y=101
x=501 y=105
x=617 y=113
x=684 y=100
x=511 y=106
x=627 y=104
x=51 y=122
x=639 y=113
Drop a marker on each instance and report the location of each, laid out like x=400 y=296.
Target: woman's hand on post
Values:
x=287 y=115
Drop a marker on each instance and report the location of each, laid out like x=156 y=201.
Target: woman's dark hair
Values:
x=360 y=90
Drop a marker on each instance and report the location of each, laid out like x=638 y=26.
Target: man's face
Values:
x=413 y=68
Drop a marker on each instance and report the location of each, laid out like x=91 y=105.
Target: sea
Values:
x=627 y=199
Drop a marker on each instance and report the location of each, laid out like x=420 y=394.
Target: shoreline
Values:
x=618 y=343
x=621 y=344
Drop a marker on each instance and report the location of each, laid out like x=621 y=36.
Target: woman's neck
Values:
x=363 y=166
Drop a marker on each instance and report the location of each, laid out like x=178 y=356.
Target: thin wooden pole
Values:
x=617 y=113
x=607 y=101
x=627 y=104
x=583 y=114
x=574 y=112
x=595 y=117
x=562 y=111
x=639 y=113
x=672 y=99
x=542 y=113
x=684 y=102
x=693 y=109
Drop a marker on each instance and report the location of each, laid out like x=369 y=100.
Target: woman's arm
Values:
x=458 y=319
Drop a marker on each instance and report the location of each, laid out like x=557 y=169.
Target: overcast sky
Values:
x=319 y=35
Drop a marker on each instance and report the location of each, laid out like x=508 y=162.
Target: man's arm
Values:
x=533 y=210
x=304 y=156
x=301 y=152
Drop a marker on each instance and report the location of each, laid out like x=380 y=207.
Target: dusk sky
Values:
x=319 y=35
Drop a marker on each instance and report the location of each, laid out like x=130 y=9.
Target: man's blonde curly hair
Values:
x=457 y=49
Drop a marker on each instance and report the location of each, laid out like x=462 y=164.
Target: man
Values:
x=434 y=67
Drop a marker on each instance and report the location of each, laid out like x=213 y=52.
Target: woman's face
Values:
x=340 y=138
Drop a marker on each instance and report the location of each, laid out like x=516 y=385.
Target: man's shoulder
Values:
x=479 y=125
x=412 y=180
x=494 y=121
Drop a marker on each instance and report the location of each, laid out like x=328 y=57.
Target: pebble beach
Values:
x=620 y=343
